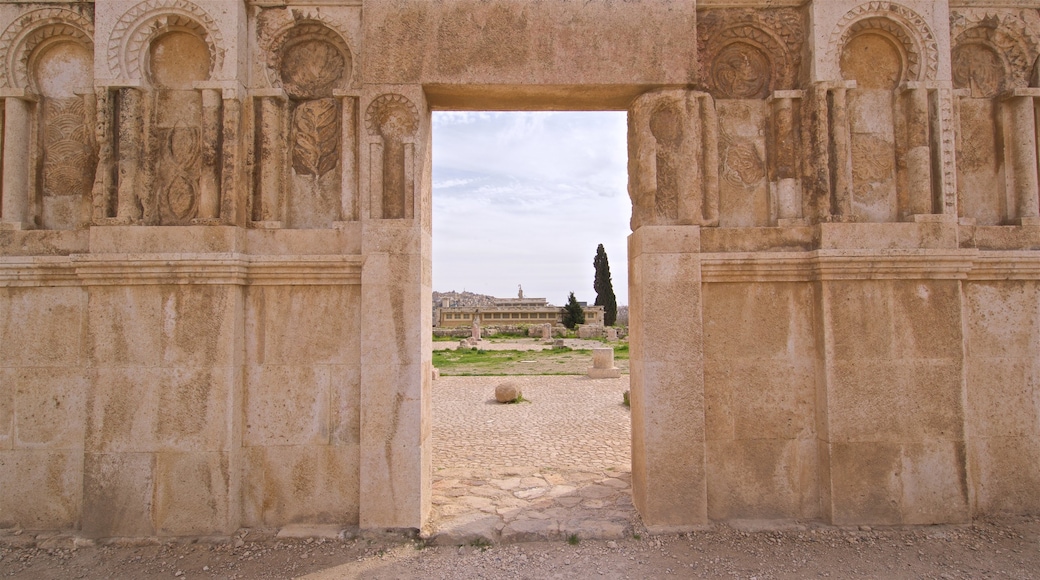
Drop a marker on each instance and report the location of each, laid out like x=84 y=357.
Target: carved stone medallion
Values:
x=742 y=71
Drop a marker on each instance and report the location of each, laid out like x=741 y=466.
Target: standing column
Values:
x=918 y=153
x=209 y=190
x=271 y=154
x=1022 y=148
x=709 y=119
x=231 y=202
x=130 y=144
x=842 y=144
x=816 y=137
x=16 y=151
x=786 y=188
x=348 y=158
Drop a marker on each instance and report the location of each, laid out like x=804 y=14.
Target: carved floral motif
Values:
x=747 y=54
x=180 y=166
x=992 y=50
x=316 y=137
x=305 y=52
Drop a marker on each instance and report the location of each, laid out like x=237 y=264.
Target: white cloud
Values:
x=524 y=198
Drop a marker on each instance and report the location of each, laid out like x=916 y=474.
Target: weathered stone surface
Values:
x=216 y=232
x=507 y=392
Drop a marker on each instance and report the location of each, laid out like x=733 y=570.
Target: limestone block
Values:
x=671 y=443
x=671 y=339
x=345 y=391
x=192 y=494
x=934 y=483
x=344 y=240
x=6 y=411
x=50 y=404
x=673 y=159
x=124 y=325
x=43 y=327
x=1005 y=472
x=1001 y=397
x=762 y=479
x=887 y=236
x=199 y=325
x=893 y=483
x=873 y=155
x=1003 y=319
x=875 y=400
x=147 y=409
x=465 y=42
x=316 y=484
x=864 y=482
x=118 y=491
x=113 y=239
x=603 y=364
x=768 y=319
x=928 y=319
x=391 y=493
x=301 y=325
x=748 y=399
x=287 y=405
x=42 y=489
x=861 y=323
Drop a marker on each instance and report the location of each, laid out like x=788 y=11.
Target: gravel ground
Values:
x=990 y=549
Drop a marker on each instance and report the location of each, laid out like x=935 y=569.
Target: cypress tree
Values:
x=604 y=287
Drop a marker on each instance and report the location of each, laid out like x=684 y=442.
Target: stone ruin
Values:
x=215 y=253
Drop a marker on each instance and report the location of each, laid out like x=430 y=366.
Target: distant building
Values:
x=510 y=312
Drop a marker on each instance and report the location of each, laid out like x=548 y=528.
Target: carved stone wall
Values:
x=215 y=264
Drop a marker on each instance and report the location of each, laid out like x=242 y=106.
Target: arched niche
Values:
x=875 y=59
x=178 y=59
x=62 y=77
x=312 y=64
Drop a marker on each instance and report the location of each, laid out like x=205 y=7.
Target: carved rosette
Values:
x=305 y=56
x=992 y=51
x=136 y=29
x=907 y=30
x=748 y=54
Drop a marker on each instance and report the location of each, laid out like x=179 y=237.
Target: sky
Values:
x=525 y=198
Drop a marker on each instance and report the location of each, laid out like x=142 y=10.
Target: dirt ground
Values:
x=989 y=549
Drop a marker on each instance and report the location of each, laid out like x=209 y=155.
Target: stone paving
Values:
x=547 y=469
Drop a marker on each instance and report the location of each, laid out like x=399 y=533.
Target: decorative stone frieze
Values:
x=215 y=253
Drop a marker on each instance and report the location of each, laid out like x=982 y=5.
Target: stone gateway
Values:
x=215 y=253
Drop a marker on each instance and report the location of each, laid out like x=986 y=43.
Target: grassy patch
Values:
x=549 y=361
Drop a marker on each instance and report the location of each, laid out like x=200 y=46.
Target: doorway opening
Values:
x=521 y=202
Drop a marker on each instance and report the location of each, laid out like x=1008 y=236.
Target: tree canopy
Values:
x=573 y=314
x=604 y=287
